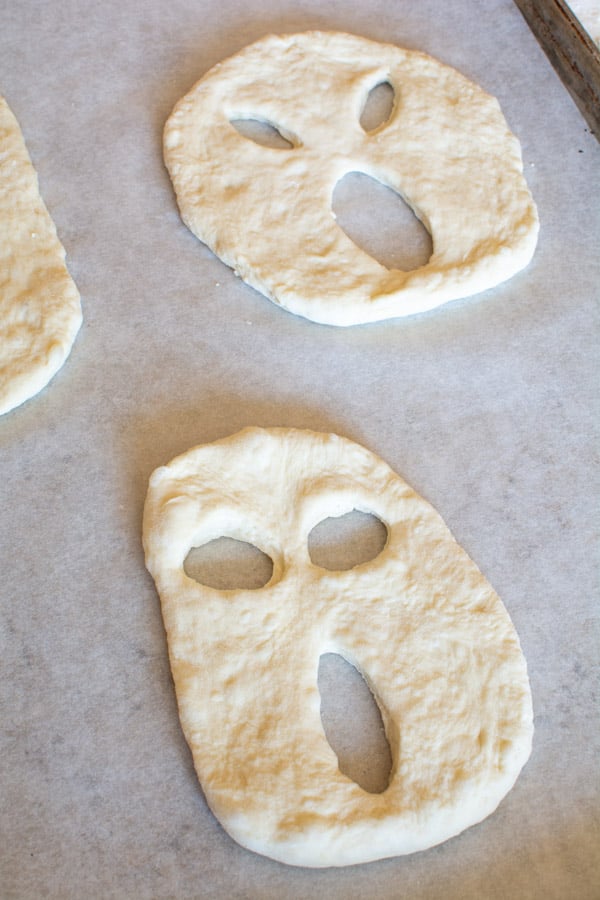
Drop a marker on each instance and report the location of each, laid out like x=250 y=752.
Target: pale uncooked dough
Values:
x=446 y=149
x=420 y=622
x=40 y=310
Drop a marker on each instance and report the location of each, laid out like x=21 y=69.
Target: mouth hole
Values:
x=343 y=542
x=353 y=725
x=380 y=222
x=378 y=107
x=263 y=133
x=228 y=565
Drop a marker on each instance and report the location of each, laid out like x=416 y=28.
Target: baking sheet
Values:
x=570 y=38
x=486 y=406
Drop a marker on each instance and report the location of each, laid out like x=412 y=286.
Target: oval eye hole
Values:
x=228 y=565
x=378 y=107
x=343 y=542
x=353 y=725
x=262 y=132
x=380 y=222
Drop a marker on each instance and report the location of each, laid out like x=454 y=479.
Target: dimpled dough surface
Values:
x=420 y=622
x=40 y=310
x=446 y=149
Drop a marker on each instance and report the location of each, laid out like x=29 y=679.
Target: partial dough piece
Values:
x=40 y=310
x=446 y=149
x=420 y=622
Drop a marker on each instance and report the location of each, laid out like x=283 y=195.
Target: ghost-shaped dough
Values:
x=420 y=622
x=267 y=212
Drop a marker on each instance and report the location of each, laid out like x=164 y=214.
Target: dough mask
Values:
x=40 y=311
x=267 y=212
x=420 y=622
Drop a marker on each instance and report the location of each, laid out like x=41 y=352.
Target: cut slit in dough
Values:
x=266 y=212
x=40 y=309
x=420 y=622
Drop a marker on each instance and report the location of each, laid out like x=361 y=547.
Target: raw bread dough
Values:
x=40 y=310
x=446 y=149
x=420 y=622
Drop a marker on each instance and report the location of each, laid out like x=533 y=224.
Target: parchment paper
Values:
x=486 y=406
